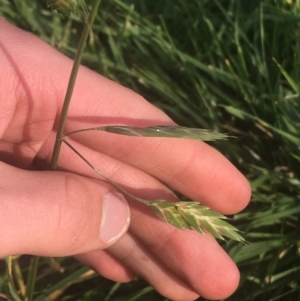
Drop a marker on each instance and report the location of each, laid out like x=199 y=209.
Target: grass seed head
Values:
x=64 y=7
x=192 y=215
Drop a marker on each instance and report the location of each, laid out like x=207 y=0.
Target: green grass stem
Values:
x=31 y=281
x=77 y=60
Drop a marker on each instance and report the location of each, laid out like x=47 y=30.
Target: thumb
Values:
x=51 y=213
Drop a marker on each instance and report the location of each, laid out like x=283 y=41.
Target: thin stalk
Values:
x=147 y=203
x=115 y=287
x=18 y=276
x=31 y=278
x=6 y=297
x=85 y=9
x=71 y=84
x=77 y=60
x=66 y=281
x=11 y=285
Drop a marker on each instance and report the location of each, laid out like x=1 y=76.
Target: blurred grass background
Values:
x=230 y=65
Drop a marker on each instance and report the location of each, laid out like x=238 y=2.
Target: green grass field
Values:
x=232 y=66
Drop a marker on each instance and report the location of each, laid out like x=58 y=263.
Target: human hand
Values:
x=58 y=213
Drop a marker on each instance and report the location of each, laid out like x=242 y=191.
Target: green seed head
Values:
x=64 y=7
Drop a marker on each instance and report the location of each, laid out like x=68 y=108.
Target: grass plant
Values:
x=230 y=66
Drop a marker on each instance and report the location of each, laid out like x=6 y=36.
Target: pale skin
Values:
x=57 y=213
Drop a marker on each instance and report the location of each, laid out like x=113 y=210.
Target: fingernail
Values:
x=115 y=217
